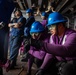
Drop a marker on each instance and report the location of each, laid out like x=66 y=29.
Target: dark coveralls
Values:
x=16 y=39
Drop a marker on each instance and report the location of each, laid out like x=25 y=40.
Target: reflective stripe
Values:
x=51 y=41
x=64 y=39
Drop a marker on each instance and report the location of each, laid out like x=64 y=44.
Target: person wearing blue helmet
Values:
x=29 y=11
x=17 y=26
x=29 y=21
x=37 y=54
x=62 y=45
x=44 y=17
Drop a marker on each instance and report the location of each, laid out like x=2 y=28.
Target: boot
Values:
x=40 y=72
x=9 y=65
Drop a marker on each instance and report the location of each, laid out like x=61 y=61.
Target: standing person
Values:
x=16 y=33
x=62 y=44
x=29 y=21
x=44 y=17
x=37 y=55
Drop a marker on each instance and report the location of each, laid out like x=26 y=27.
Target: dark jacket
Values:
x=28 y=24
x=18 y=31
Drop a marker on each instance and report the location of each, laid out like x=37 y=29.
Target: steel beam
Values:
x=70 y=6
x=61 y=4
x=20 y=4
x=39 y=2
x=29 y=3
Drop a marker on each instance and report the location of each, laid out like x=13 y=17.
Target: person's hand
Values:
x=36 y=43
x=26 y=42
x=16 y=25
x=33 y=42
x=10 y=24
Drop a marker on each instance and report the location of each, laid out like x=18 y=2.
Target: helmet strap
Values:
x=57 y=29
x=39 y=36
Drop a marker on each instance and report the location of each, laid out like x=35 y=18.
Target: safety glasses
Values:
x=52 y=27
x=34 y=33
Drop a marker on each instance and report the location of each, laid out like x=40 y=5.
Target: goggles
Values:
x=34 y=33
x=52 y=27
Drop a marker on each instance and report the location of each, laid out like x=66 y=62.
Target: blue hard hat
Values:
x=44 y=14
x=29 y=11
x=55 y=18
x=36 y=27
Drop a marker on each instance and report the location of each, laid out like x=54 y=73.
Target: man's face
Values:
x=56 y=29
x=28 y=14
x=35 y=35
x=17 y=13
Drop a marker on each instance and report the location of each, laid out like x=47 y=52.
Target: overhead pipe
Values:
x=39 y=2
x=70 y=6
x=20 y=4
x=62 y=5
x=67 y=21
x=29 y=3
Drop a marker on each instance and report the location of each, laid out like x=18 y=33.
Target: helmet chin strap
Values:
x=57 y=32
x=39 y=36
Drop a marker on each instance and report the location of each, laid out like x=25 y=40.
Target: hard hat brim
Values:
x=55 y=22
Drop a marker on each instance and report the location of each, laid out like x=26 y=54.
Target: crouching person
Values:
x=37 y=55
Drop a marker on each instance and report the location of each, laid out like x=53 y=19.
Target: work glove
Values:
x=36 y=43
x=26 y=41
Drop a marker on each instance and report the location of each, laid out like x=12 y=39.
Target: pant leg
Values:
x=47 y=61
x=26 y=45
x=49 y=65
x=14 y=47
x=10 y=44
x=30 y=63
x=48 y=70
x=38 y=62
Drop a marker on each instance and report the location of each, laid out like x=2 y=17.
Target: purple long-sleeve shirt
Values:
x=66 y=49
x=39 y=53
